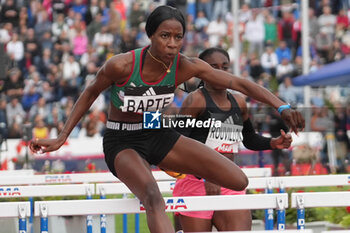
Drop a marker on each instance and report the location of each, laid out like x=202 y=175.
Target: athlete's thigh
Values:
x=232 y=220
x=135 y=172
x=190 y=224
x=192 y=157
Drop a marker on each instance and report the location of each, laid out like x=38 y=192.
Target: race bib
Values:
x=142 y=99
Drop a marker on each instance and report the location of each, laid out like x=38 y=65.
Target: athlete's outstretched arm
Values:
x=107 y=75
x=195 y=67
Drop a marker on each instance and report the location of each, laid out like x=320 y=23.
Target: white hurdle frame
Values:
x=298 y=181
x=317 y=199
x=98 y=177
x=46 y=190
x=173 y=204
x=20 y=210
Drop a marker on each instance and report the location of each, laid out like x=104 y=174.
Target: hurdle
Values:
x=45 y=191
x=19 y=210
x=317 y=199
x=299 y=181
x=29 y=178
x=173 y=204
x=269 y=183
x=103 y=189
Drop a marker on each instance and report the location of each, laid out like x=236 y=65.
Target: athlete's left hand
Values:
x=282 y=142
x=294 y=120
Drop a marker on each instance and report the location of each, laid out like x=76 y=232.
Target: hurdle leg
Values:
x=103 y=223
x=137 y=223
x=44 y=226
x=300 y=213
x=31 y=226
x=281 y=214
x=89 y=217
x=125 y=218
x=269 y=212
x=22 y=221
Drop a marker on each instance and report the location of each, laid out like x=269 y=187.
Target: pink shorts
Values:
x=191 y=186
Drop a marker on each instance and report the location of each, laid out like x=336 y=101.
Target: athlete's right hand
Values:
x=45 y=145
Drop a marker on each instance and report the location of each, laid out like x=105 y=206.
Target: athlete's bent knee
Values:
x=152 y=199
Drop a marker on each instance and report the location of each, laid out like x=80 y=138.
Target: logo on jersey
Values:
x=151 y=120
x=147 y=99
x=225 y=139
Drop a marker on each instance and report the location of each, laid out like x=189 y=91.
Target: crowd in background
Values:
x=53 y=49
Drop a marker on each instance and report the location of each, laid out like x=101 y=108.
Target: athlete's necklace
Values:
x=166 y=67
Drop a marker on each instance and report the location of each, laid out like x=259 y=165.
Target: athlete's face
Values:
x=218 y=61
x=167 y=40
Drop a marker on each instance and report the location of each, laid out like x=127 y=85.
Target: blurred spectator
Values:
x=128 y=40
x=282 y=51
x=290 y=93
x=91 y=11
x=335 y=52
x=9 y=13
x=256 y=70
x=342 y=21
x=46 y=41
x=342 y=140
x=270 y=31
x=297 y=67
x=201 y=21
x=5 y=33
x=220 y=9
x=114 y=24
x=142 y=39
x=15 y=48
x=321 y=121
x=3 y=121
x=79 y=7
x=269 y=61
x=32 y=46
x=205 y=6
x=323 y=44
x=30 y=98
x=58 y=7
x=245 y=13
x=136 y=15
x=285 y=29
x=15 y=112
x=327 y=21
x=41 y=109
x=71 y=71
x=103 y=40
x=40 y=130
x=255 y=34
x=283 y=70
x=216 y=30
x=42 y=26
x=14 y=85
x=80 y=42
x=58 y=26
x=94 y=27
x=313 y=23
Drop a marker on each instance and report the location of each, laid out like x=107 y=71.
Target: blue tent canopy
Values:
x=337 y=73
